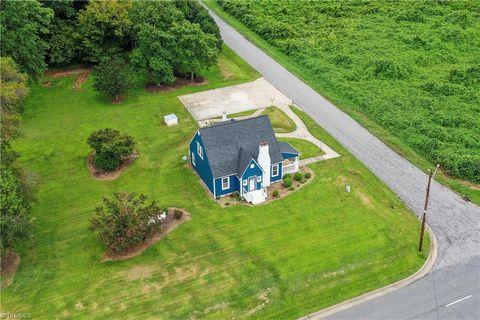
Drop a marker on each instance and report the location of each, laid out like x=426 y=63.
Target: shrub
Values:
x=298 y=176
x=292 y=188
x=110 y=147
x=308 y=175
x=276 y=193
x=287 y=181
x=389 y=69
x=177 y=214
x=123 y=221
x=286 y=176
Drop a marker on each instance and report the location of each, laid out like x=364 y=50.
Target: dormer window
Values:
x=200 y=150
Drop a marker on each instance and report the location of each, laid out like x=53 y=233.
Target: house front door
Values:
x=252 y=183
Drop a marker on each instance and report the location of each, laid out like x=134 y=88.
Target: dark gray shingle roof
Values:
x=285 y=147
x=224 y=141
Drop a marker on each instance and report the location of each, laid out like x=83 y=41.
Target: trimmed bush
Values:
x=308 y=175
x=276 y=193
x=298 y=176
x=287 y=181
x=110 y=147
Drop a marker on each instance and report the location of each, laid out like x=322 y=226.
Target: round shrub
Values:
x=308 y=175
x=276 y=193
x=287 y=182
x=106 y=161
x=298 y=176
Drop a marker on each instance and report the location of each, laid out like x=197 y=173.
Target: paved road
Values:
x=455 y=222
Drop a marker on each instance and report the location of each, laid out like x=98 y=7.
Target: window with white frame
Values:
x=259 y=179
x=193 y=158
x=199 y=150
x=245 y=182
x=275 y=170
x=225 y=183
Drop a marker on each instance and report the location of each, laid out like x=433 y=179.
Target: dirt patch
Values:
x=109 y=175
x=139 y=272
x=179 y=83
x=264 y=301
x=226 y=72
x=168 y=225
x=46 y=84
x=365 y=199
x=81 y=78
x=8 y=268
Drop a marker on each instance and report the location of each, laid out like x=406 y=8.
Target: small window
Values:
x=245 y=182
x=199 y=150
x=275 y=170
x=259 y=179
x=225 y=183
x=193 y=158
x=252 y=166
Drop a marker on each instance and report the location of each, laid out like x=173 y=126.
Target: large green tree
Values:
x=105 y=27
x=22 y=25
x=124 y=221
x=110 y=147
x=113 y=77
x=195 y=49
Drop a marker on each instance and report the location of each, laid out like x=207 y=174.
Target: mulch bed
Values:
x=168 y=225
x=109 y=175
x=233 y=199
x=8 y=268
x=179 y=83
x=81 y=73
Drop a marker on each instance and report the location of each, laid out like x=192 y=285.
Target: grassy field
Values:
x=296 y=255
x=306 y=148
x=281 y=123
x=430 y=115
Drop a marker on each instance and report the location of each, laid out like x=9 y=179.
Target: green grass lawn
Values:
x=285 y=259
x=306 y=148
x=402 y=113
x=281 y=123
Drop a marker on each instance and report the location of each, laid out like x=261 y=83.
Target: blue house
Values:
x=241 y=156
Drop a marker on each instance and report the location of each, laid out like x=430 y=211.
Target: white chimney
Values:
x=224 y=116
x=264 y=161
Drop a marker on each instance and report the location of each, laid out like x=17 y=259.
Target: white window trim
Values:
x=245 y=182
x=252 y=166
x=228 y=183
x=259 y=179
x=276 y=167
x=199 y=150
x=193 y=159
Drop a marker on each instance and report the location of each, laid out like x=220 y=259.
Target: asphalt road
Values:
x=456 y=223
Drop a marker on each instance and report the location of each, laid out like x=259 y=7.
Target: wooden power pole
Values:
x=425 y=207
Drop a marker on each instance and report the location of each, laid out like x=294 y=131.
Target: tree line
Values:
x=163 y=38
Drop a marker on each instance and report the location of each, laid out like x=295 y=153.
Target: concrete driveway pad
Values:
x=238 y=98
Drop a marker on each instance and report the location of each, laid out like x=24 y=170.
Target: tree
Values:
x=22 y=25
x=123 y=221
x=195 y=49
x=14 y=89
x=110 y=147
x=105 y=27
x=14 y=211
x=63 y=42
x=154 y=42
x=113 y=77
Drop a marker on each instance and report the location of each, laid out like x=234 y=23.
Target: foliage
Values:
x=105 y=28
x=298 y=176
x=287 y=181
x=14 y=211
x=275 y=193
x=22 y=25
x=381 y=60
x=62 y=43
x=110 y=147
x=113 y=77
x=308 y=175
x=168 y=43
x=122 y=221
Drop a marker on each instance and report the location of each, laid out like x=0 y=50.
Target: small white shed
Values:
x=170 y=119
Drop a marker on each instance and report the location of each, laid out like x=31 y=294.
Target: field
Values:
x=285 y=259
x=408 y=72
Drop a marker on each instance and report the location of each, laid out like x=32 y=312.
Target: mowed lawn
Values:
x=282 y=260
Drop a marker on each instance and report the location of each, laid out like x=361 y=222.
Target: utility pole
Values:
x=424 y=218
